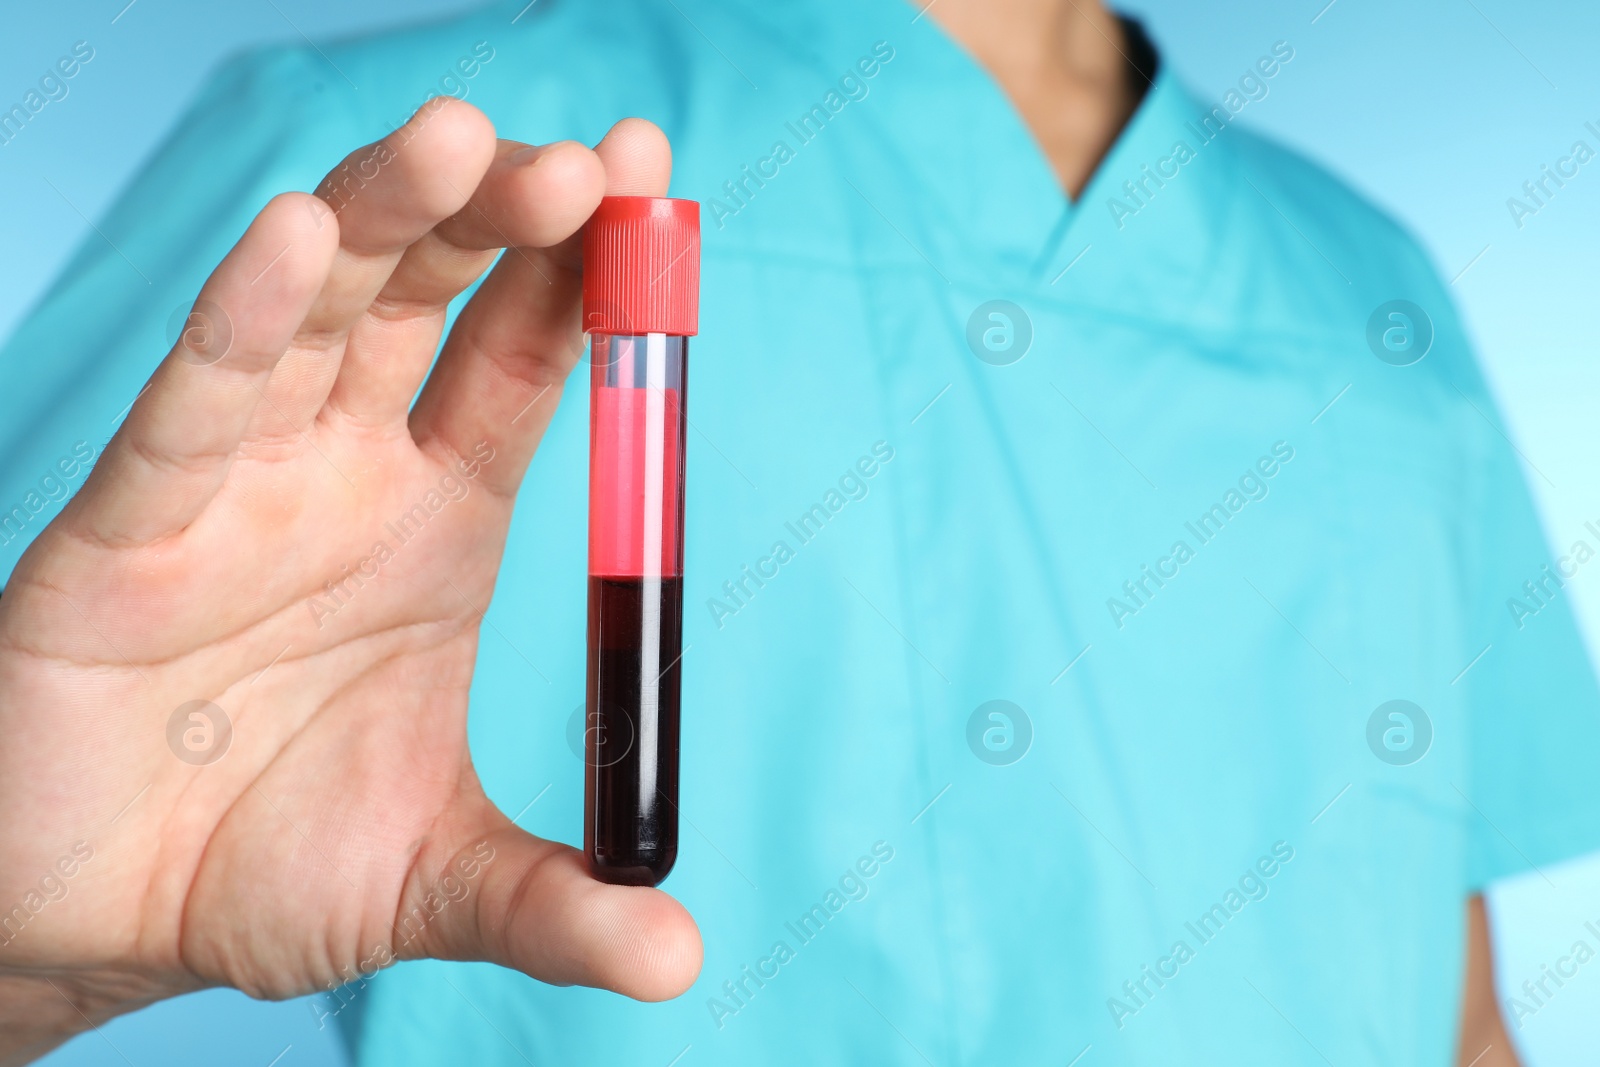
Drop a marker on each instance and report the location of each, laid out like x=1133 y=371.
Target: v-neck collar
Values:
x=976 y=190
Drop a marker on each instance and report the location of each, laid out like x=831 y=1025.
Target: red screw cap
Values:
x=641 y=266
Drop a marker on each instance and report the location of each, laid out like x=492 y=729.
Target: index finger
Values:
x=529 y=197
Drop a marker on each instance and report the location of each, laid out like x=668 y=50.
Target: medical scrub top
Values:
x=1117 y=632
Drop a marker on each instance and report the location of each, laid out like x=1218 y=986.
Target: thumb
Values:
x=490 y=891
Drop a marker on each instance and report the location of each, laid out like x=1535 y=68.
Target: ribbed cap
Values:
x=641 y=266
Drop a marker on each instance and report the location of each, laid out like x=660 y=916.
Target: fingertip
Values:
x=638 y=942
x=573 y=163
x=565 y=179
x=539 y=909
x=468 y=127
x=443 y=129
x=669 y=948
x=293 y=240
x=305 y=215
x=637 y=158
x=453 y=114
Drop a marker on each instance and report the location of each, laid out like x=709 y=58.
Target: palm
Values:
x=280 y=536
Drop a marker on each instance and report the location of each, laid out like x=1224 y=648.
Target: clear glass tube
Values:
x=636 y=474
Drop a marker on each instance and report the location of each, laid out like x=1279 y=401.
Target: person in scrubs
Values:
x=1117 y=630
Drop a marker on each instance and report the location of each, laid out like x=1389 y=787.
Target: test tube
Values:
x=641 y=291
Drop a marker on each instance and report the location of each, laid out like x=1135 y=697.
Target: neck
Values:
x=1063 y=65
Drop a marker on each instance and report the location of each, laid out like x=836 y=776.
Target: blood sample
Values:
x=641 y=292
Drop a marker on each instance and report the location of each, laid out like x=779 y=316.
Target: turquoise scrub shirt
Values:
x=1193 y=541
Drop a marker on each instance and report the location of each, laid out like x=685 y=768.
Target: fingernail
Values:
x=523 y=157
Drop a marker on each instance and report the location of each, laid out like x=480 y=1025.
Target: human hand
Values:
x=276 y=531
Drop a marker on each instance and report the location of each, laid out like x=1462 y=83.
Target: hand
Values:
x=277 y=532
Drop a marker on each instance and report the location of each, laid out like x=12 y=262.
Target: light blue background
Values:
x=1437 y=109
